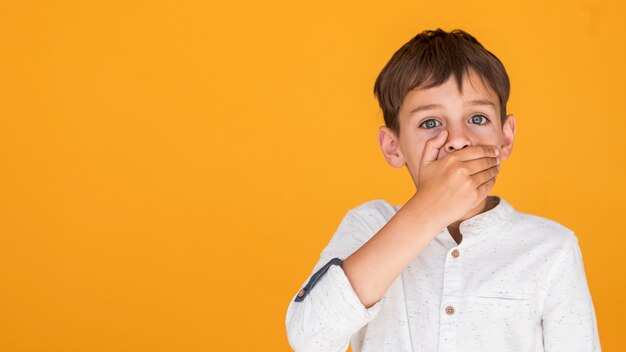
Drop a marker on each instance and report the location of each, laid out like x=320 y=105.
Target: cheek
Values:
x=483 y=135
x=487 y=136
x=412 y=157
x=491 y=133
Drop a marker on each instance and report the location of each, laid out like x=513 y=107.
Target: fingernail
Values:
x=497 y=152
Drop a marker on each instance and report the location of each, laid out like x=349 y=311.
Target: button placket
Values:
x=450 y=301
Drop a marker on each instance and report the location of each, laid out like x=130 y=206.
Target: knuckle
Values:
x=461 y=171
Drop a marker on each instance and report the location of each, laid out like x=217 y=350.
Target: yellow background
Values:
x=172 y=170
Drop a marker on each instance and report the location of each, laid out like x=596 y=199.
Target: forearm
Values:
x=374 y=266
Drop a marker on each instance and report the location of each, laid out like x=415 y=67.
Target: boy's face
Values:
x=471 y=117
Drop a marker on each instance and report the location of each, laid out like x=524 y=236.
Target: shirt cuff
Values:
x=314 y=278
x=339 y=305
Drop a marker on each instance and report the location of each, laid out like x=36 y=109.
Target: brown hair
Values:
x=432 y=56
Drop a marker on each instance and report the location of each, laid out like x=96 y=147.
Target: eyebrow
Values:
x=439 y=106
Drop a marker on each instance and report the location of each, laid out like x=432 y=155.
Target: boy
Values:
x=453 y=269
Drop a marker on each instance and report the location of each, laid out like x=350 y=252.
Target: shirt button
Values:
x=450 y=310
x=455 y=253
x=301 y=293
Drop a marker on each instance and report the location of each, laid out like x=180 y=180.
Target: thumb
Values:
x=431 y=149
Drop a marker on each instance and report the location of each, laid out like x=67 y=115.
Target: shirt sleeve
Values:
x=329 y=311
x=569 y=319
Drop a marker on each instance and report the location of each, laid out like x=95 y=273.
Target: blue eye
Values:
x=432 y=123
x=486 y=119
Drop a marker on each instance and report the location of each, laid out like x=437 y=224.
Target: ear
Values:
x=508 y=135
x=390 y=146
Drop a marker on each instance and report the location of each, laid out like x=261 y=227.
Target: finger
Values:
x=486 y=187
x=431 y=149
x=484 y=176
x=477 y=151
x=477 y=165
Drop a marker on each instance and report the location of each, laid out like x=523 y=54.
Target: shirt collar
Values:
x=490 y=220
x=481 y=225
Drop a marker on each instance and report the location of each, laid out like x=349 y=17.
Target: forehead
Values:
x=473 y=88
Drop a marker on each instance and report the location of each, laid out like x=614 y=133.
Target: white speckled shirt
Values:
x=516 y=282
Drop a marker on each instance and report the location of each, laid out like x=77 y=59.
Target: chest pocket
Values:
x=497 y=316
x=502 y=302
x=502 y=294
